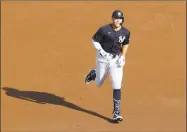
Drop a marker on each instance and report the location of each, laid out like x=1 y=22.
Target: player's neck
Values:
x=116 y=28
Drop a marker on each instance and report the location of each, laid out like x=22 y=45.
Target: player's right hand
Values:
x=102 y=52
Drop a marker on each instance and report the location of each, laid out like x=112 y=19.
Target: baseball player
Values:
x=111 y=42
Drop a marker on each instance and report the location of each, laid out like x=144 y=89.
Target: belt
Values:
x=111 y=55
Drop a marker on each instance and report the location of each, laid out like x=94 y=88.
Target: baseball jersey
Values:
x=111 y=41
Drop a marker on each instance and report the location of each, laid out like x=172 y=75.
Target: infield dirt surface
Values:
x=46 y=52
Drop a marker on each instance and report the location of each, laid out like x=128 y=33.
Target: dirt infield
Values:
x=46 y=53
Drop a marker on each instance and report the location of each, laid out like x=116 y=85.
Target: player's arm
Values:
x=96 y=39
x=97 y=45
x=125 y=45
x=124 y=49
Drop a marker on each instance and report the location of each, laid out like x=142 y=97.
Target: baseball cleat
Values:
x=91 y=76
x=117 y=118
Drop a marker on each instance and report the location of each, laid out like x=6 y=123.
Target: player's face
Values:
x=116 y=22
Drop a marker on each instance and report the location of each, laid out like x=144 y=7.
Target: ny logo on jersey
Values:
x=121 y=39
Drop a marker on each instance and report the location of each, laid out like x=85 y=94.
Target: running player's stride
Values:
x=111 y=42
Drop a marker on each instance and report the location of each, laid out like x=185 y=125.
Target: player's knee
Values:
x=116 y=86
x=98 y=84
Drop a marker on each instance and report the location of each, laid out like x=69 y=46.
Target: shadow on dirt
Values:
x=47 y=98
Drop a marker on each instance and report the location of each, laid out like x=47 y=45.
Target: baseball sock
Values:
x=116 y=100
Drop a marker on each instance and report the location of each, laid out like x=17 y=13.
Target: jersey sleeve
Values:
x=127 y=40
x=97 y=37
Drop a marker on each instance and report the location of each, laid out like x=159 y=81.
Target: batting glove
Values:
x=121 y=61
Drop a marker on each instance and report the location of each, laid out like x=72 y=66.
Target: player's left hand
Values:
x=121 y=61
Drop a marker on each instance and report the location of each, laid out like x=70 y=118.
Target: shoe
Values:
x=116 y=117
x=91 y=76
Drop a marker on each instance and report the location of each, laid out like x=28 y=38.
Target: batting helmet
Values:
x=118 y=14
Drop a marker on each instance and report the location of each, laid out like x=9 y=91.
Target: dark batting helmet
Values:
x=118 y=14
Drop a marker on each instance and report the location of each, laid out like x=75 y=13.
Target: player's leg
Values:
x=99 y=73
x=116 y=75
x=90 y=76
